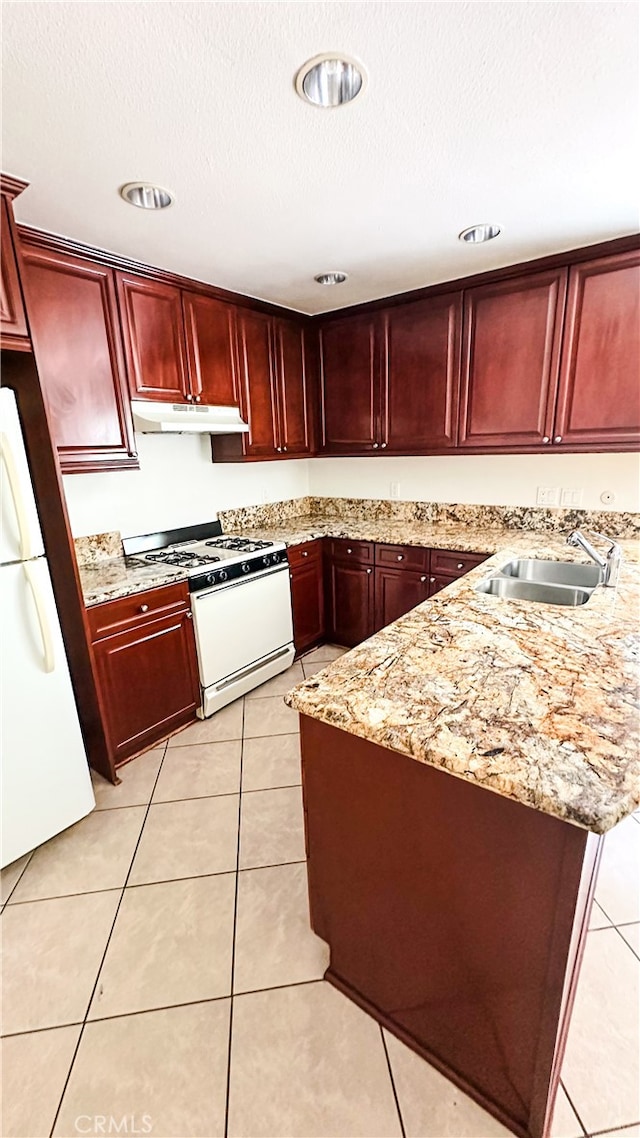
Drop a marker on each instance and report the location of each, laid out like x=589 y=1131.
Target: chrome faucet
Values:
x=610 y=564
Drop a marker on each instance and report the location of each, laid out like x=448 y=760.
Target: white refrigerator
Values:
x=45 y=784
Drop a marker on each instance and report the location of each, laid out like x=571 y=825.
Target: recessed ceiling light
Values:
x=329 y=80
x=145 y=195
x=333 y=278
x=477 y=233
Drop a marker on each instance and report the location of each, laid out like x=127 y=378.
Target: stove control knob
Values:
x=266 y=560
x=222 y=576
x=211 y=578
x=246 y=568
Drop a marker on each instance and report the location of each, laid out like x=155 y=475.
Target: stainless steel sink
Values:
x=554 y=573
x=516 y=589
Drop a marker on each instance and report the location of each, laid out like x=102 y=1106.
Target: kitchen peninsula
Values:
x=457 y=917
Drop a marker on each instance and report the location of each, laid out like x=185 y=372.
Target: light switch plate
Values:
x=548 y=496
x=571 y=496
x=394 y=490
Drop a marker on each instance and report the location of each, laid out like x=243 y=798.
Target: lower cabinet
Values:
x=145 y=657
x=307 y=594
x=349 y=592
x=397 y=591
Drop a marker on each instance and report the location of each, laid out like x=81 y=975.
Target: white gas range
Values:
x=241 y=601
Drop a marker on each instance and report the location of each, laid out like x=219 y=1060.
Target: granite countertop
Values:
x=114 y=577
x=535 y=702
x=440 y=535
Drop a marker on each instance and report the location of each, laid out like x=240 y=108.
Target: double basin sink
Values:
x=544 y=582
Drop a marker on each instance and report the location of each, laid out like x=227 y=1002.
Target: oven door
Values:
x=238 y=624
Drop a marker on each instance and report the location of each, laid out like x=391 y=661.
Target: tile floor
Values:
x=159 y=967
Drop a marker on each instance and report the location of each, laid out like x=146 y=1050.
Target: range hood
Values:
x=191 y=418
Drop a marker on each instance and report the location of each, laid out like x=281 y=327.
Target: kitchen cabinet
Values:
x=510 y=361
x=258 y=399
x=307 y=594
x=145 y=659
x=292 y=388
x=153 y=331
x=76 y=339
x=350 y=383
x=210 y=336
x=599 y=396
x=13 y=320
x=349 y=592
x=397 y=591
x=420 y=369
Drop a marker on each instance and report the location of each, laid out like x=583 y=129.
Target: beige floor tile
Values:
x=631 y=933
x=618 y=885
x=601 y=1069
x=598 y=919
x=314 y=666
x=279 y=685
x=10 y=876
x=271 y=762
x=306 y=1061
x=51 y=956
x=200 y=770
x=272 y=828
x=187 y=839
x=326 y=652
x=135 y=789
x=274 y=941
x=93 y=854
x=565 y=1124
x=171 y=944
x=225 y=724
x=34 y=1071
x=163 y=1070
x=431 y=1106
x=269 y=717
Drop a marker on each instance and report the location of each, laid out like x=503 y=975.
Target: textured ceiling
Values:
x=525 y=114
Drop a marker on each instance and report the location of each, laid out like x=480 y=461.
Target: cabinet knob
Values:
x=284 y=448
x=189 y=614
x=349 y=551
x=144 y=608
x=400 y=557
x=190 y=398
x=423 y=578
x=460 y=565
x=432 y=579
x=305 y=552
x=375 y=446
x=382 y=446
x=546 y=439
x=278 y=449
x=558 y=439
x=369 y=570
x=197 y=399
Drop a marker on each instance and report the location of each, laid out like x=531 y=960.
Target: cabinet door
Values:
x=437 y=582
x=293 y=394
x=307 y=596
x=148 y=681
x=13 y=322
x=152 y=325
x=350 y=385
x=599 y=397
x=211 y=349
x=397 y=591
x=422 y=369
x=510 y=361
x=349 y=599
x=76 y=339
x=257 y=387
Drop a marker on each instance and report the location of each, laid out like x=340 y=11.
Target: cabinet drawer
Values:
x=304 y=553
x=454 y=563
x=403 y=557
x=127 y=612
x=345 y=550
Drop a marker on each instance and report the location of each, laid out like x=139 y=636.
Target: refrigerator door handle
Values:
x=13 y=479
x=45 y=630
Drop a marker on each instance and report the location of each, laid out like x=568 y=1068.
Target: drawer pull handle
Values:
x=349 y=551
x=460 y=565
x=305 y=552
x=144 y=608
x=401 y=557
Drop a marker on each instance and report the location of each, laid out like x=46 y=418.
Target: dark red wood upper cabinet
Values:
x=350 y=385
x=13 y=321
x=599 y=396
x=510 y=361
x=76 y=338
x=292 y=394
x=152 y=325
x=210 y=333
x=257 y=395
x=421 y=374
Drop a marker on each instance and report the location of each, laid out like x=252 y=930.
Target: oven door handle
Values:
x=199 y=594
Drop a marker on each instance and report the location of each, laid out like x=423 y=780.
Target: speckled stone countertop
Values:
x=535 y=702
x=114 y=577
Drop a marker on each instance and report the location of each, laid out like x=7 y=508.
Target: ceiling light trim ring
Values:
x=146 y=195
x=333 y=277
x=479 y=233
x=331 y=89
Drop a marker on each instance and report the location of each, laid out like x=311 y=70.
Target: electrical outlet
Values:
x=394 y=490
x=571 y=497
x=548 y=496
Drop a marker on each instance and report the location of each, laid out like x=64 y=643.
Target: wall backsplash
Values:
x=178 y=484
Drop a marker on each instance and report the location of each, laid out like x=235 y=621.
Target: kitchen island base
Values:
x=455 y=916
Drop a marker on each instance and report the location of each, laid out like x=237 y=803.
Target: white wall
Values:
x=177 y=485
x=494 y=480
